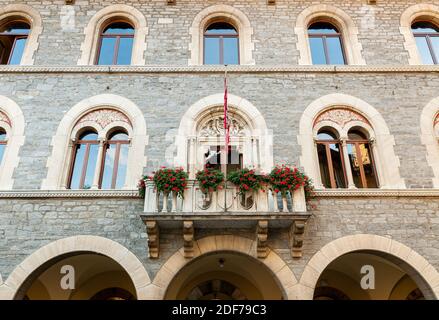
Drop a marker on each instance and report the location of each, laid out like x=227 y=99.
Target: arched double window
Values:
x=221 y=44
x=13 y=39
x=344 y=150
x=100 y=151
x=326 y=44
x=116 y=44
x=427 y=40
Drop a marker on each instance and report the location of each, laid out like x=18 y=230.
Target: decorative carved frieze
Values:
x=261 y=239
x=152 y=229
x=5 y=118
x=104 y=117
x=340 y=116
x=436 y=120
x=297 y=231
x=188 y=238
x=215 y=127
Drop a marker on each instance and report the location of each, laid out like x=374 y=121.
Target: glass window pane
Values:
x=107 y=176
x=337 y=163
x=211 y=51
x=317 y=50
x=119 y=28
x=369 y=171
x=435 y=45
x=356 y=135
x=424 y=27
x=2 y=151
x=125 y=51
x=119 y=136
x=122 y=166
x=323 y=164
x=91 y=166
x=322 y=28
x=77 y=166
x=17 y=51
x=326 y=135
x=424 y=51
x=2 y=136
x=89 y=136
x=106 y=54
x=231 y=51
x=16 y=28
x=221 y=28
x=335 y=51
x=355 y=165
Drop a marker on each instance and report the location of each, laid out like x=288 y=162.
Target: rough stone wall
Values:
x=164 y=98
x=27 y=225
x=275 y=41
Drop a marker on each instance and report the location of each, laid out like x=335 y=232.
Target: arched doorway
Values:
x=93 y=276
x=224 y=275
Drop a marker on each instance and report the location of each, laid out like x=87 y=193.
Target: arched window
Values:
x=85 y=158
x=330 y=156
x=115 y=161
x=100 y=151
x=344 y=150
x=116 y=44
x=13 y=39
x=326 y=44
x=427 y=40
x=221 y=44
x=3 y=143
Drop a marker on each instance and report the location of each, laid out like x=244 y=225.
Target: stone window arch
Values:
x=339 y=19
x=117 y=12
x=11 y=139
x=429 y=123
x=24 y=14
x=344 y=113
x=200 y=129
x=226 y=14
x=415 y=13
x=102 y=116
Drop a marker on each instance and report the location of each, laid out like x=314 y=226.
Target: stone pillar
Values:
x=347 y=165
x=99 y=164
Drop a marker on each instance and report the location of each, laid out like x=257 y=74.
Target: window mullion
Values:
x=97 y=178
x=330 y=165
x=325 y=48
x=84 y=166
x=115 y=165
x=430 y=48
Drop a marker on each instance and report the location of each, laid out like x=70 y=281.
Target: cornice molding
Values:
x=220 y=69
x=379 y=193
x=84 y=194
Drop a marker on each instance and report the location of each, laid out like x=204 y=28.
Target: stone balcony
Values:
x=224 y=209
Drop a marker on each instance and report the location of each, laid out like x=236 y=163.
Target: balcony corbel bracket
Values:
x=297 y=231
x=152 y=229
x=261 y=238
x=188 y=237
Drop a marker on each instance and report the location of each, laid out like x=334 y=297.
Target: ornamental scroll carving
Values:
x=340 y=116
x=436 y=120
x=5 y=118
x=215 y=127
x=104 y=117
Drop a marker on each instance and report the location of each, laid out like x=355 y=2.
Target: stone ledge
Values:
x=220 y=69
x=69 y=194
x=377 y=193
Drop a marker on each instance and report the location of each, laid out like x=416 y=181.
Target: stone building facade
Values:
x=121 y=246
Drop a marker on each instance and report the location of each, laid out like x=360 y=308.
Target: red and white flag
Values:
x=226 y=123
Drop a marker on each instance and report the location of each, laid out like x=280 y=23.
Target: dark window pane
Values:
x=2 y=151
x=335 y=51
x=211 y=51
x=221 y=28
x=424 y=27
x=125 y=51
x=77 y=166
x=322 y=28
x=18 y=50
x=356 y=135
x=106 y=55
x=119 y=28
x=326 y=135
x=355 y=165
x=231 y=51
x=323 y=164
x=435 y=45
x=369 y=171
x=337 y=163
x=424 y=51
x=16 y=28
x=317 y=50
x=107 y=176
x=91 y=166
x=122 y=166
x=2 y=136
